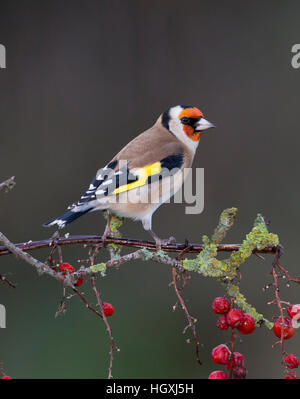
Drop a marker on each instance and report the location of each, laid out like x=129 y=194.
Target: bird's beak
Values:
x=203 y=124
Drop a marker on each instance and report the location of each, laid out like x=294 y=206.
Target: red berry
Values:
x=291 y=361
x=235 y=317
x=248 y=325
x=294 y=311
x=218 y=375
x=288 y=329
x=220 y=305
x=6 y=377
x=220 y=354
x=239 y=372
x=291 y=375
x=108 y=309
x=237 y=360
x=79 y=282
x=66 y=268
x=222 y=323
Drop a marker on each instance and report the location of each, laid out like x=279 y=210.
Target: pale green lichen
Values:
x=99 y=268
x=225 y=223
x=115 y=223
x=147 y=255
x=207 y=264
x=240 y=300
x=161 y=254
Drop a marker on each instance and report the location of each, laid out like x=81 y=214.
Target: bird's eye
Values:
x=185 y=120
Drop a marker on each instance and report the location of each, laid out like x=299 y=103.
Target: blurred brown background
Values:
x=85 y=77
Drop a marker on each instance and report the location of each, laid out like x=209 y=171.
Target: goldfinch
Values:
x=145 y=173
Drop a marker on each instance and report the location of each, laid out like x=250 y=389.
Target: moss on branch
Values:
x=226 y=270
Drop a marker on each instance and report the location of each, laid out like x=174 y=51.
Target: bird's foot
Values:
x=165 y=241
x=108 y=231
x=160 y=242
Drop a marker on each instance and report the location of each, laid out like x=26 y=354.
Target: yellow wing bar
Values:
x=143 y=173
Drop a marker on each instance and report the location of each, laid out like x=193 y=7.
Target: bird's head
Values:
x=187 y=123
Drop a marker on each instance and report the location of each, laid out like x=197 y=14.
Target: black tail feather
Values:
x=65 y=219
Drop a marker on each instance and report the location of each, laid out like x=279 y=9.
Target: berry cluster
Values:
x=236 y=320
x=242 y=322
x=290 y=360
x=66 y=268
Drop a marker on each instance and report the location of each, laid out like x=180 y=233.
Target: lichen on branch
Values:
x=226 y=270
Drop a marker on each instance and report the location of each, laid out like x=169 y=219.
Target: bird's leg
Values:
x=159 y=242
x=107 y=231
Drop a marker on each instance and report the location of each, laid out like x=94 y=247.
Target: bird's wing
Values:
x=138 y=164
x=102 y=175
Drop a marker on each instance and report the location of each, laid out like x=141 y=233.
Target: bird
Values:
x=145 y=173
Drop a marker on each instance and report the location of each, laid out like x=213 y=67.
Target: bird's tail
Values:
x=67 y=218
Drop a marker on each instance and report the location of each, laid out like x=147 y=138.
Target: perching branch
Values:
x=128 y=242
x=40 y=267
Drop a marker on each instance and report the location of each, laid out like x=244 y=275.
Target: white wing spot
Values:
x=60 y=223
x=107 y=182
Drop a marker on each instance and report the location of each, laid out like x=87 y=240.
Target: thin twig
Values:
x=191 y=320
x=5 y=280
x=111 y=339
x=232 y=343
x=289 y=277
x=87 y=305
x=278 y=301
x=8 y=184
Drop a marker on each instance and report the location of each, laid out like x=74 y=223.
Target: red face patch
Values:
x=191 y=113
x=189 y=130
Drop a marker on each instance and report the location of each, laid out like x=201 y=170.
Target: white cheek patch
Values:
x=177 y=129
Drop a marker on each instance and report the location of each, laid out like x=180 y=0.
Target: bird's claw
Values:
x=159 y=242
